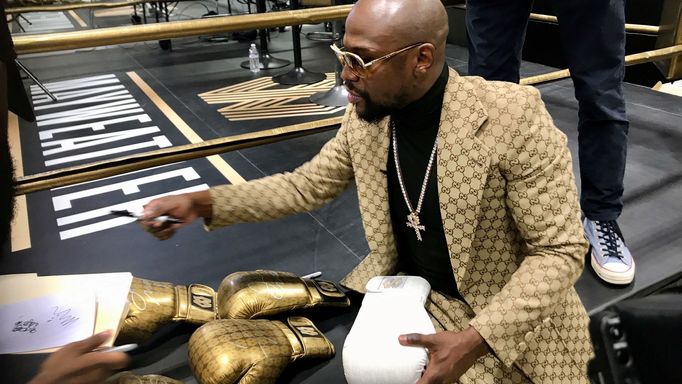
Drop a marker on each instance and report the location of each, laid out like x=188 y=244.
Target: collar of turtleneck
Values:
x=423 y=112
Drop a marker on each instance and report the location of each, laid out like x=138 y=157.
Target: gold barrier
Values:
x=106 y=168
x=634 y=28
x=101 y=169
x=108 y=36
x=118 y=35
x=637 y=58
x=75 y=5
x=671 y=34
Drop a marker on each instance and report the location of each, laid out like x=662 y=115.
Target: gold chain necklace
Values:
x=413 y=216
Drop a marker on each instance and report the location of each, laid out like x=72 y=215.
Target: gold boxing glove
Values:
x=131 y=378
x=253 y=351
x=151 y=304
x=254 y=294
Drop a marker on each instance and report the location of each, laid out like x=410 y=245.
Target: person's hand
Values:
x=79 y=363
x=182 y=207
x=450 y=353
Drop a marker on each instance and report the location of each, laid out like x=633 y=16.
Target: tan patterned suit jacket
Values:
x=510 y=213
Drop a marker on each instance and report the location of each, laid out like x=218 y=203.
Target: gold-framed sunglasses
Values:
x=358 y=66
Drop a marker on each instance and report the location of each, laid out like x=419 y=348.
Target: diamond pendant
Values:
x=413 y=222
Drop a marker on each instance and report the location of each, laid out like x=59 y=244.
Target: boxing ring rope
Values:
x=106 y=168
x=77 y=5
x=129 y=34
x=108 y=36
x=101 y=169
x=637 y=58
x=117 y=35
x=634 y=28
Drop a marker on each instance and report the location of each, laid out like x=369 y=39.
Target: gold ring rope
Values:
x=51 y=42
x=106 y=168
x=77 y=5
x=637 y=58
x=97 y=170
x=128 y=34
x=634 y=28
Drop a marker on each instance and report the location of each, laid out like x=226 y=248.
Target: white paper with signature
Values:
x=46 y=322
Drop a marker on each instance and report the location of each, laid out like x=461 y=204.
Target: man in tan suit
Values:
x=462 y=181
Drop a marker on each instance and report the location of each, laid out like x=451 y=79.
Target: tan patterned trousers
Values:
x=448 y=314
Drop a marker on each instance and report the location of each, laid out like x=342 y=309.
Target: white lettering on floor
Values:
x=96 y=118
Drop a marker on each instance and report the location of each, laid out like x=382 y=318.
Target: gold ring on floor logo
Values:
x=263 y=98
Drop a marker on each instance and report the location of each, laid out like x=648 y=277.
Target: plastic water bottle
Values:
x=254 y=61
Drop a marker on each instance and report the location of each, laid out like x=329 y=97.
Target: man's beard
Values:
x=373 y=112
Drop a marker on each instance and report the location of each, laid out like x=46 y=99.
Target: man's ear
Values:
x=425 y=58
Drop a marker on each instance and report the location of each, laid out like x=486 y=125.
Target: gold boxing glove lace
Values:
x=253 y=351
x=254 y=294
x=130 y=378
x=152 y=304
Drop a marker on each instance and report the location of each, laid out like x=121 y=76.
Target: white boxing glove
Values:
x=393 y=305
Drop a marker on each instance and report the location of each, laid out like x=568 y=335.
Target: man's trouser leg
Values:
x=593 y=37
x=449 y=314
x=495 y=33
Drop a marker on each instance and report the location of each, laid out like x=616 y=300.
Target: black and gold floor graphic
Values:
x=112 y=115
x=262 y=98
x=100 y=117
x=103 y=115
x=42 y=22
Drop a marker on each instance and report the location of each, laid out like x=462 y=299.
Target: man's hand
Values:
x=450 y=353
x=185 y=207
x=78 y=363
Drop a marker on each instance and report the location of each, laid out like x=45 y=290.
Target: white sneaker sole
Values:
x=618 y=278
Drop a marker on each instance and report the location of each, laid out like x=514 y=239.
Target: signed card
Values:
x=46 y=322
x=109 y=289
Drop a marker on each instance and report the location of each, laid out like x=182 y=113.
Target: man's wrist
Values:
x=202 y=203
x=478 y=344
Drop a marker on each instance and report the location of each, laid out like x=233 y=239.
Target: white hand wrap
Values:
x=393 y=305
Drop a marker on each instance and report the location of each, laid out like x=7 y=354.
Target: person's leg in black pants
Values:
x=593 y=38
x=495 y=32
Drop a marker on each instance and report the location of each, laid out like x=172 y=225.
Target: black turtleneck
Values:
x=416 y=129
